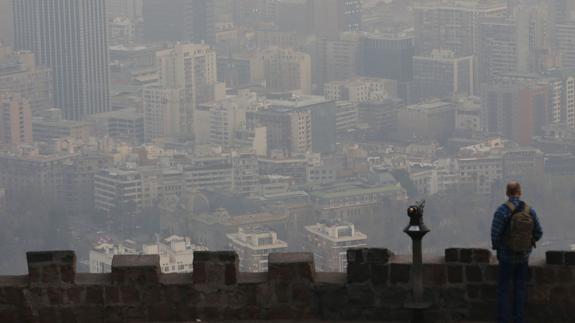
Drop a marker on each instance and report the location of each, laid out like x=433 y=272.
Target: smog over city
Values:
x=309 y=127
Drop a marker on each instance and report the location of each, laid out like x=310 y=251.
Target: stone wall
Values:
x=460 y=285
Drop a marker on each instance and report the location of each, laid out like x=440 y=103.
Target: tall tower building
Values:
x=70 y=37
x=452 y=24
x=15 y=120
x=193 y=68
x=202 y=21
x=331 y=17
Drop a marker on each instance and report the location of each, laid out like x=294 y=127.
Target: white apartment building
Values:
x=254 y=246
x=176 y=254
x=329 y=243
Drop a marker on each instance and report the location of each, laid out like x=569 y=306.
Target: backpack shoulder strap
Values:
x=511 y=206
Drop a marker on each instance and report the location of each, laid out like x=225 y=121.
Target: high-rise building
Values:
x=516 y=109
x=282 y=69
x=131 y=9
x=335 y=59
x=6 y=23
x=443 y=75
x=452 y=24
x=516 y=44
x=202 y=21
x=329 y=243
x=19 y=73
x=164 y=112
x=15 y=120
x=179 y=20
x=295 y=125
x=387 y=56
x=193 y=68
x=565 y=44
x=331 y=17
x=70 y=37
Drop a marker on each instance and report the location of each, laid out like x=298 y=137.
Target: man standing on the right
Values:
x=514 y=231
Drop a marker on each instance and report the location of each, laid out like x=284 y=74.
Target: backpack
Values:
x=520 y=229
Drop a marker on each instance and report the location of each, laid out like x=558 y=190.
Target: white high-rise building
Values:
x=70 y=37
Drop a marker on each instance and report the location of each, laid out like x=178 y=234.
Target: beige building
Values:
x=19 y=73
x=329 y=243
x=360 y=89
x=165 y=111
x=254 y=246
x=282 y=69
x=193 y=68
x=15 y=120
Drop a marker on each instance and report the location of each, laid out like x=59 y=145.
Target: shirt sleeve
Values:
x=537 y=229
x=498 y=226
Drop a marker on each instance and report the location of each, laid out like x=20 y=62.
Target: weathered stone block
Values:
x=452 y=255
x=291 y=266
x=399 y=273
x=51 y=267
x=135 y=269
x=481 y=256
x=466 y=255
x=473 y=273
x=216 y=268
x=555 y=257
x=570 y=258
x=455 y=274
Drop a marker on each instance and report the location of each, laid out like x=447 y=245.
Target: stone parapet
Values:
x=461 y=286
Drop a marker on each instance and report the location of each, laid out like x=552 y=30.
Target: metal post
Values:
x=416 y=229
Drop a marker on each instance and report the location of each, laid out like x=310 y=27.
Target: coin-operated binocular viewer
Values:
x=416 y=230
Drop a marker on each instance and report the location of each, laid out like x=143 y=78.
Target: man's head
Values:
x=513 y=189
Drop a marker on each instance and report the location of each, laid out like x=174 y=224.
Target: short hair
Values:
x=513 y=188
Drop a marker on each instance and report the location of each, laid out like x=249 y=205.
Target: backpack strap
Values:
x=511 y=206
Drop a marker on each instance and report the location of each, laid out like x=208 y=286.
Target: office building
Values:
x=51 y=125
x=360 y=89
x=165 y=20
x=131 y=9
x=125 y=125
x=282 y=69
x=201 y=20
x=193 y=68
x=70 y=37
x=335 y=58
x=515 y=109
x=164 y=112
x=388 y=56
x=452 y=24
x=329 y=243
x=6 y=23
x=565 y=44
x=253 y=247
x=295 y=125
x=441 y=74
x=434 y=120
x=19 y=73
x=329 y=18
x=121 y=31
x=380 y=115
x=15 y=120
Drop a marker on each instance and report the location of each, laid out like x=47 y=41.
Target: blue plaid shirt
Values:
x=501 y=219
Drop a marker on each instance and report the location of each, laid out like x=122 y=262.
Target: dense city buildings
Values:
x=19 y=73
x=76 y=53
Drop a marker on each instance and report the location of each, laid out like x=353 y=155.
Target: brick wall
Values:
x=461 y=285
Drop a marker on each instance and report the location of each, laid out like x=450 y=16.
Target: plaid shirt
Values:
x=499 y=225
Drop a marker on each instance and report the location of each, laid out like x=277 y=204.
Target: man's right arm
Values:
x=498 y=226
